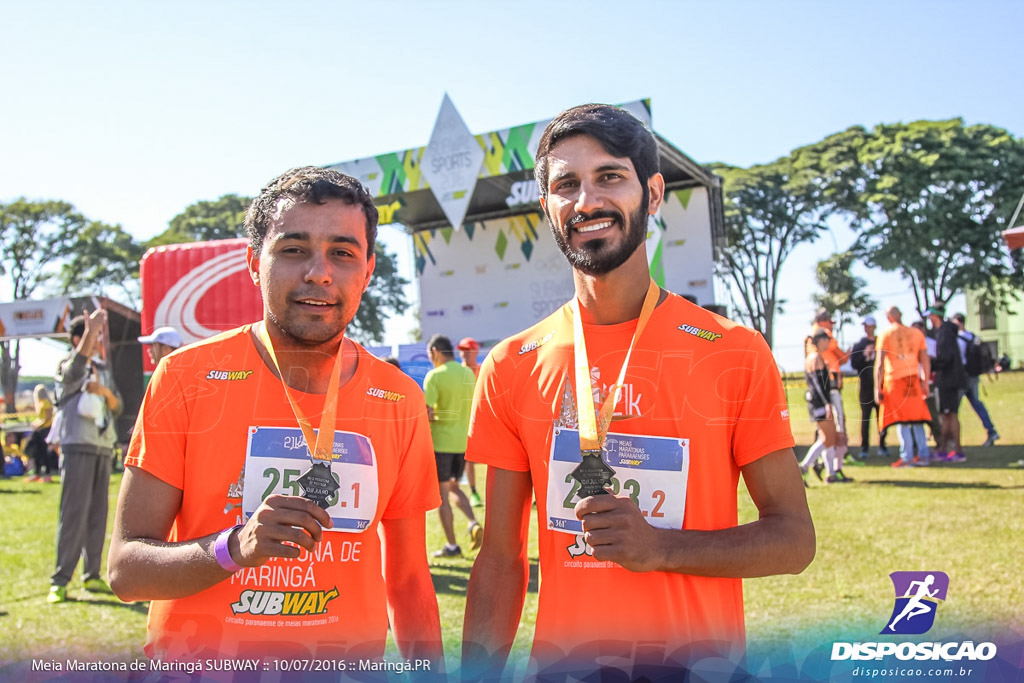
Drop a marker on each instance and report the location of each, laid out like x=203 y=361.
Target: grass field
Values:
x=964 y=519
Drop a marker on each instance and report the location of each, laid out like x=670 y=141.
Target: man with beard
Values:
x=629 y=414
x=274 y=496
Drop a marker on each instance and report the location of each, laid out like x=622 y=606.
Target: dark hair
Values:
x=442 y=344
x=309 y=185
x=77 y=326
x=960 y=317
x=620 y=134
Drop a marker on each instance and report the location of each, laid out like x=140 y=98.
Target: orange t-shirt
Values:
x=212 y=407
x=902 y=346
x=702 y=398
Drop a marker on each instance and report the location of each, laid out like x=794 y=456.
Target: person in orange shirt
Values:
x=642 y=573
x=902 y=369
x=252 y=534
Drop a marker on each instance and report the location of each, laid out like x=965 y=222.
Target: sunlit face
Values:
x=468 y=357
x=595 y=204
x=313 y=270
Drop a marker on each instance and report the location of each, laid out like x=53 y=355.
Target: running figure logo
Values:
x=917 y=598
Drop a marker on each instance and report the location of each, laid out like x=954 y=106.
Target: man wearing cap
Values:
x=862 y=358
x=950 y=379
x=448 y=390
x=469 y=350
x=163 y=341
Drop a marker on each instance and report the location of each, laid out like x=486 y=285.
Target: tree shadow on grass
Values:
x=137 y=607
x=30 y=491
x=105 y=601
x=456 y=584
x=941 y=485
x=978 y=457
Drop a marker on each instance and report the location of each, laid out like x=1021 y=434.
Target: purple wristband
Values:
x=223 y=553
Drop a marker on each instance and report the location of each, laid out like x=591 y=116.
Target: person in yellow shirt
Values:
x=45 y=460
x=448 y=390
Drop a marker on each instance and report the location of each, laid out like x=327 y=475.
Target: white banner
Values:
x=40 y=318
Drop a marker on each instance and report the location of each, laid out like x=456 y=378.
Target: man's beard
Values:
x=593 y=257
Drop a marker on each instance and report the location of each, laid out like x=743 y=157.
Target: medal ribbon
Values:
x=324 y=439
x=593 y=430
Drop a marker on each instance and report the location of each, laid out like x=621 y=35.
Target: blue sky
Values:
x=132 y=111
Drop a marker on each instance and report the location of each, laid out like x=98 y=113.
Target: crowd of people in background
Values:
x=909 y=377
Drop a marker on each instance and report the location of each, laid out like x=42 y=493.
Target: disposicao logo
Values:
x=918 y=595
x=917 y=599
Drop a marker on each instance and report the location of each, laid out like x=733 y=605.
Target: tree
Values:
x=843 y=295
x=100 y=258
x=769 y=210
x=384 y=297
x=219 y=219
x=33 y=235
x=931 y=199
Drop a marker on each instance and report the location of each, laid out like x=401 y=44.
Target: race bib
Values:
x=276 y=457
x=652 y=470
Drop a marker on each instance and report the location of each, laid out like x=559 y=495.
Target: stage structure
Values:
x=486 y=263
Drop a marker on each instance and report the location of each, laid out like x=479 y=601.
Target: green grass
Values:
x=965 y=519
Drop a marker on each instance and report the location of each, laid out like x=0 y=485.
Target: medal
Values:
x=318 y=482
x=593 y=473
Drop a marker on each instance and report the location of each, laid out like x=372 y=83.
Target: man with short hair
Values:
x=274 y=497
x=951 y=381
x=965 y=340
x=448 y=390
x=89 y=405
x=469 y=351
x=902 y=372
x=862 y=359
x=163 y=341
x=631 y=430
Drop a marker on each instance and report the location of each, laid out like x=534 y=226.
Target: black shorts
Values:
x=815 y=405
x=450 y=465
x=949 y=400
